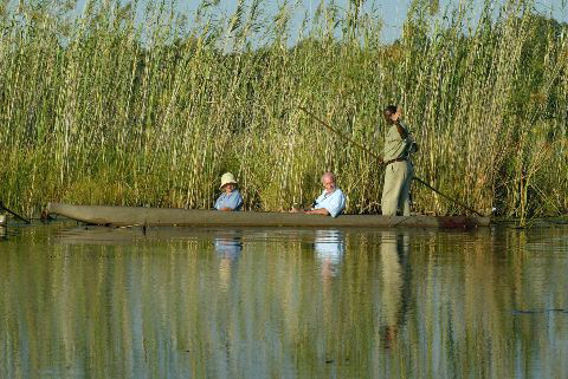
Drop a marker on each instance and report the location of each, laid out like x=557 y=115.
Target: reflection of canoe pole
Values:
x=379 y=159
x=2 y=206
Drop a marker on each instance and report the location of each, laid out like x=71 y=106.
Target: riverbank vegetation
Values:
x=133 y=104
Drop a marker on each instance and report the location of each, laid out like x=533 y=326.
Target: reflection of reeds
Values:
x=104 y=110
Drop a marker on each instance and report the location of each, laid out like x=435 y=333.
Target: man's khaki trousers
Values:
x=396 y=190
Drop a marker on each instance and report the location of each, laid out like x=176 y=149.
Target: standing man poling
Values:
x=399 y=146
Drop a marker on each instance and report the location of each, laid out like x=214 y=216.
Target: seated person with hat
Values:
x=230 y=198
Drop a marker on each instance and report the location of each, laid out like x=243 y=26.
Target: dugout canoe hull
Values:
x=132 y=216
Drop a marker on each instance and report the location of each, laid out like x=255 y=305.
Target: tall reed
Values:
x=136 y=105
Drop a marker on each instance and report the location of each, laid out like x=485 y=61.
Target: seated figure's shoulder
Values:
x=338 y=198
x=337 y=203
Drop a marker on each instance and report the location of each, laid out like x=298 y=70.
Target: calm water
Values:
x=177 y=302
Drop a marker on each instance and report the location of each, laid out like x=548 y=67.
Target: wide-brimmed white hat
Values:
x=227 y=178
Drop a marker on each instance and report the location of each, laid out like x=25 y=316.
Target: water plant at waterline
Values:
x=111 y=107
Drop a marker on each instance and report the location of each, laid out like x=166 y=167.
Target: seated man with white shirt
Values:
x=330 y=202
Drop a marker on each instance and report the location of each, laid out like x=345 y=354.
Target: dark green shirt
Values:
x=396 y=146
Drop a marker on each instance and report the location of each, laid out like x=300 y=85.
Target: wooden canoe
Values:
x=131 y=216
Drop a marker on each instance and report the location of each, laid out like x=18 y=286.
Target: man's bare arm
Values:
x=321 y=211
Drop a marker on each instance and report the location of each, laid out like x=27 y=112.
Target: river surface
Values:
x=257 y=303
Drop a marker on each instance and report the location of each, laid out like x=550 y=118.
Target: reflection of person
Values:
x=330 y=202
x=230 y=199
x=399 y=146
x=329 y=249
x=394 y=248
x=228 y=246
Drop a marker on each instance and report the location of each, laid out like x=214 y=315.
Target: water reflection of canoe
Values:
x=128 y=216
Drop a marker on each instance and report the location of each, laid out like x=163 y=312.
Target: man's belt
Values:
x=401 y=159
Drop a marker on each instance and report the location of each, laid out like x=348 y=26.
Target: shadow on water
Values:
x=106 y=236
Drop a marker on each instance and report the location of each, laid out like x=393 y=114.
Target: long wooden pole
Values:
x=2 y=206
x=374 y=155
